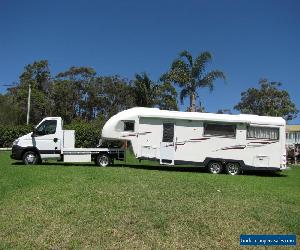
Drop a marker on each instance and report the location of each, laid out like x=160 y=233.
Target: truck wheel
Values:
x=215 y=167
x=102 y=160
x=30 y=158
x=233 y=168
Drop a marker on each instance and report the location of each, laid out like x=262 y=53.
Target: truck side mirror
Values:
x=33 y=132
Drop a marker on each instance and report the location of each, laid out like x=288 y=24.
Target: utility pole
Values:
x=28 y=103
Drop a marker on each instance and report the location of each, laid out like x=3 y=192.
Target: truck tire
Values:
x=30 y=158
x=102 y=160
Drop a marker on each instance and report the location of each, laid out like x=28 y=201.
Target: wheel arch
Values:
x=34 y=149
x=223 y=161
x=95 y=155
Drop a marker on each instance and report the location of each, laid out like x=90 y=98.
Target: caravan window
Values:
x=168 y=132
x=263 y=133
x=214 y=129
x=128 y=125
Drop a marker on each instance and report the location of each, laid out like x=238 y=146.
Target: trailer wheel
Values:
x=215 y=167
x=30 y=158
x=102 y=160
x=233 y=168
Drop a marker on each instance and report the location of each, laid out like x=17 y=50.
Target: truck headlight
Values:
x=16 y=142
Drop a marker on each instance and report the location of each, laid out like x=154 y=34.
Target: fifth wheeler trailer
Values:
x=217 y=141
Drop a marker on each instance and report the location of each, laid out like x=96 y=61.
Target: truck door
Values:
x=167 y=145
x=47 y=140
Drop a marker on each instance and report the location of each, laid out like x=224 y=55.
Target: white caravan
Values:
x=50 y=141
x=218 y=141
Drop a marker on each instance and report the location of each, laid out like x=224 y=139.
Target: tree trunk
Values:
x=193 y=102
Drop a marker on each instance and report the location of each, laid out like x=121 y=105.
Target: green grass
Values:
x=140 y=206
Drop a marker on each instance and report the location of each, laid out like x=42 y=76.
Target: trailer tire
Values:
x=103 y=160
x=215 y=167
x=233 y=168
x=31 y=158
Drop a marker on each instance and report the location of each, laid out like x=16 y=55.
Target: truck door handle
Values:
x=55 y=139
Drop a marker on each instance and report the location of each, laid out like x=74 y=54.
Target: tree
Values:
x=63 y=99
x=166 y=94
x=114 y=94
x=37 y=75
x=267 y=100
x=190 y=75
x=78 y=80
x=9 y=111
x=145 y=91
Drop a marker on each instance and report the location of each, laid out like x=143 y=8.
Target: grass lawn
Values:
x=140 y=206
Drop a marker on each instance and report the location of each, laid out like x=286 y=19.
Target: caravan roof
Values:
x=240 y=118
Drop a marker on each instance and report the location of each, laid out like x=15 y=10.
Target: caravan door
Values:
x=167 y=145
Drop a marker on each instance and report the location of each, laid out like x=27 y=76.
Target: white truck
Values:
x=49 y=141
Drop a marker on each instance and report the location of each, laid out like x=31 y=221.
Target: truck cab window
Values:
x=46 y=128
x=128 y=125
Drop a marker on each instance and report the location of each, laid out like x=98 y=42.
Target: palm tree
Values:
x=145 y=90
x=190 y=75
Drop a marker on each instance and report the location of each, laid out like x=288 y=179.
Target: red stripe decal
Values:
x=199 y=139
x=264 y=142
x=129 y=135
x=144 y=133
x=234 y=147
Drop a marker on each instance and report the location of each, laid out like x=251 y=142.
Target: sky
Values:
x=249 y=40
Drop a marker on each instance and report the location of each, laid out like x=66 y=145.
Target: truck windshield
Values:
x=46 y=128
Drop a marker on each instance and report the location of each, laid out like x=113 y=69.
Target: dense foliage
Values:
x=86 y=134
x=79 y=93
x=9 y=133
x=267 y=100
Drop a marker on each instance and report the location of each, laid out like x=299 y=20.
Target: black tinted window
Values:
x=129 y=126
x=168 y=132
x=212 y=129
x=47 y=127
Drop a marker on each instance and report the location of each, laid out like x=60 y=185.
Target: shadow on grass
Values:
x=165 y=168
x=261 y=173
x=125 y=165
x=198 y=170
x=56 y=164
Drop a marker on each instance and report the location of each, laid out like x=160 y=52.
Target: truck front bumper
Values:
x=16 y=152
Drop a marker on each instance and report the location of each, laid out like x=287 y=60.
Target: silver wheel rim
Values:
x=215 y=168
x=103 y=161
x=30 y=159
x=232 y=169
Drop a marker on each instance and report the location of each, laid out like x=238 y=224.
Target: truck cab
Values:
x=45 y=142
